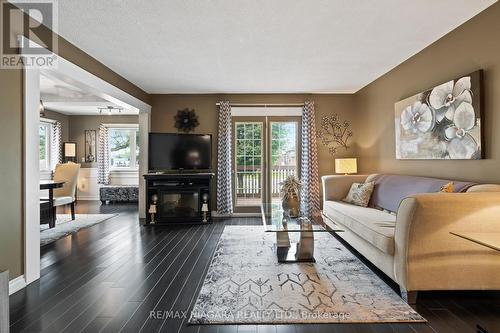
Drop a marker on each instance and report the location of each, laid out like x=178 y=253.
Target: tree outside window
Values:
x=124 y=148
x=44 y=146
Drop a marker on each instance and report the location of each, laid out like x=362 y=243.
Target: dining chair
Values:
x=66 y=195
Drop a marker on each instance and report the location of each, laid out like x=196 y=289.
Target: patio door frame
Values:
x=298 y=144
x=266 y=187
x=248 y=119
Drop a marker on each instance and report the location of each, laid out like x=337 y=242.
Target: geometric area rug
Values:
x=65 y=226
x=245 y=284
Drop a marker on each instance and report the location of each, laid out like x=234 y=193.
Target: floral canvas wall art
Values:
x=443 y=122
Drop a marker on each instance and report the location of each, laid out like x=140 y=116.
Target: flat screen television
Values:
x=171 y=151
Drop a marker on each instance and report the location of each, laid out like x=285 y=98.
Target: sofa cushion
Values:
x=484 y=188
x=373 y=225
x=448 y=188
x=390 y=190
x=359 y=194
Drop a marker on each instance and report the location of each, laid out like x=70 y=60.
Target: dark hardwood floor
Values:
x=109 y=277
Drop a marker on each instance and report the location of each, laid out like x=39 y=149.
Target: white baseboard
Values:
x=17 y=284
x=87 y=198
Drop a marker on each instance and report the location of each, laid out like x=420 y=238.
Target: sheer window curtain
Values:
x=103 y=156
x=224 y=162
x=55 y=144
x=310 y=202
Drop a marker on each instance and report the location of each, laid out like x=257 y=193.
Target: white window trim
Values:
x=265 y=111
x=48 y=146
x=133 y=160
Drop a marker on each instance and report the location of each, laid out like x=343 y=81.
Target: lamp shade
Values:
x=346 y=165
x=69 y=149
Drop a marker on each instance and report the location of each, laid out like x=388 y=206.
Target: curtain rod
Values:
x=264 y=105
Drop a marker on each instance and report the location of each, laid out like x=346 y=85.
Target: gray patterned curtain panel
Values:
x=103 y=156
x=224 y=186
x=309 y=202
x=55 y=153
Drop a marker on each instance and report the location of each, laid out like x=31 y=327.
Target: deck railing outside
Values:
x=249 y=182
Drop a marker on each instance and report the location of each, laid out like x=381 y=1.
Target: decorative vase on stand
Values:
x=290 y=205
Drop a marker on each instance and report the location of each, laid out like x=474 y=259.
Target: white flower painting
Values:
x=441 y=123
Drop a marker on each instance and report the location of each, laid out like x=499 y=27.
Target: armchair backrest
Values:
x=67 y=172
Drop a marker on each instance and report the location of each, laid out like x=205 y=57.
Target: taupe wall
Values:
x=474 y=45
x=11 y=135
x=63 y=119
x=78 y=125
x=164 y=107
x=11 y=168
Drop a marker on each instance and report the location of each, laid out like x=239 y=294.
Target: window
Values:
x=44 y=130
x=124 y=148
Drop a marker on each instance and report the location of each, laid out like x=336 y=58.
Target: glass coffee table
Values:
x=274 y=220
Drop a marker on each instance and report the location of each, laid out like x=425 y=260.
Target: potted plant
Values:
x=290 y=191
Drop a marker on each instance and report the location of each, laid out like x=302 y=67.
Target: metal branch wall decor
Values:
x=186 y=120
x=334 y=133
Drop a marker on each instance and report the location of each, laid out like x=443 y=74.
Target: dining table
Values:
x=50 y=185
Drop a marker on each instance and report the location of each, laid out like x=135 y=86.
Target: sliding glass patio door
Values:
x=284 y=152
x=265 y=151
x=248 y=163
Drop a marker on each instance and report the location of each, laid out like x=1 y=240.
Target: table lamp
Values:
x=346 y=165
x=69 y=151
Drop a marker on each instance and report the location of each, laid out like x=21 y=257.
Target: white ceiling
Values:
x=52 y=89
x=86 y=109
x=258 y=46
x=64 y=98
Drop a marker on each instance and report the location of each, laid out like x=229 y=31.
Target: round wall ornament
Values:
x=186 y=120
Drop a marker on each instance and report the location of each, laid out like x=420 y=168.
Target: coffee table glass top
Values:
x=274 y=220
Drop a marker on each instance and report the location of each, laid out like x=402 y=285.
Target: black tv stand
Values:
x=181 y=197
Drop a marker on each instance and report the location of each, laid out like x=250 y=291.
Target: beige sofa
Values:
x=413 y=244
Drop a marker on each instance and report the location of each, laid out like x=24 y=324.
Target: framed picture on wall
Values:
x=90 y=145
x=444 y=122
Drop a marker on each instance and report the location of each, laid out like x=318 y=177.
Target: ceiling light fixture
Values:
x=109 y=109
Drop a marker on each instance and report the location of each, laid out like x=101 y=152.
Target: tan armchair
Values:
x=66 y=195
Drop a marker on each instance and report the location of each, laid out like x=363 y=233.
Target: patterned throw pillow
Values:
x=360 y=194
x=448 y=188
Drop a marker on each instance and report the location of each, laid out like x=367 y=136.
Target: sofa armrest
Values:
x=336 y=187
x=428 y=257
